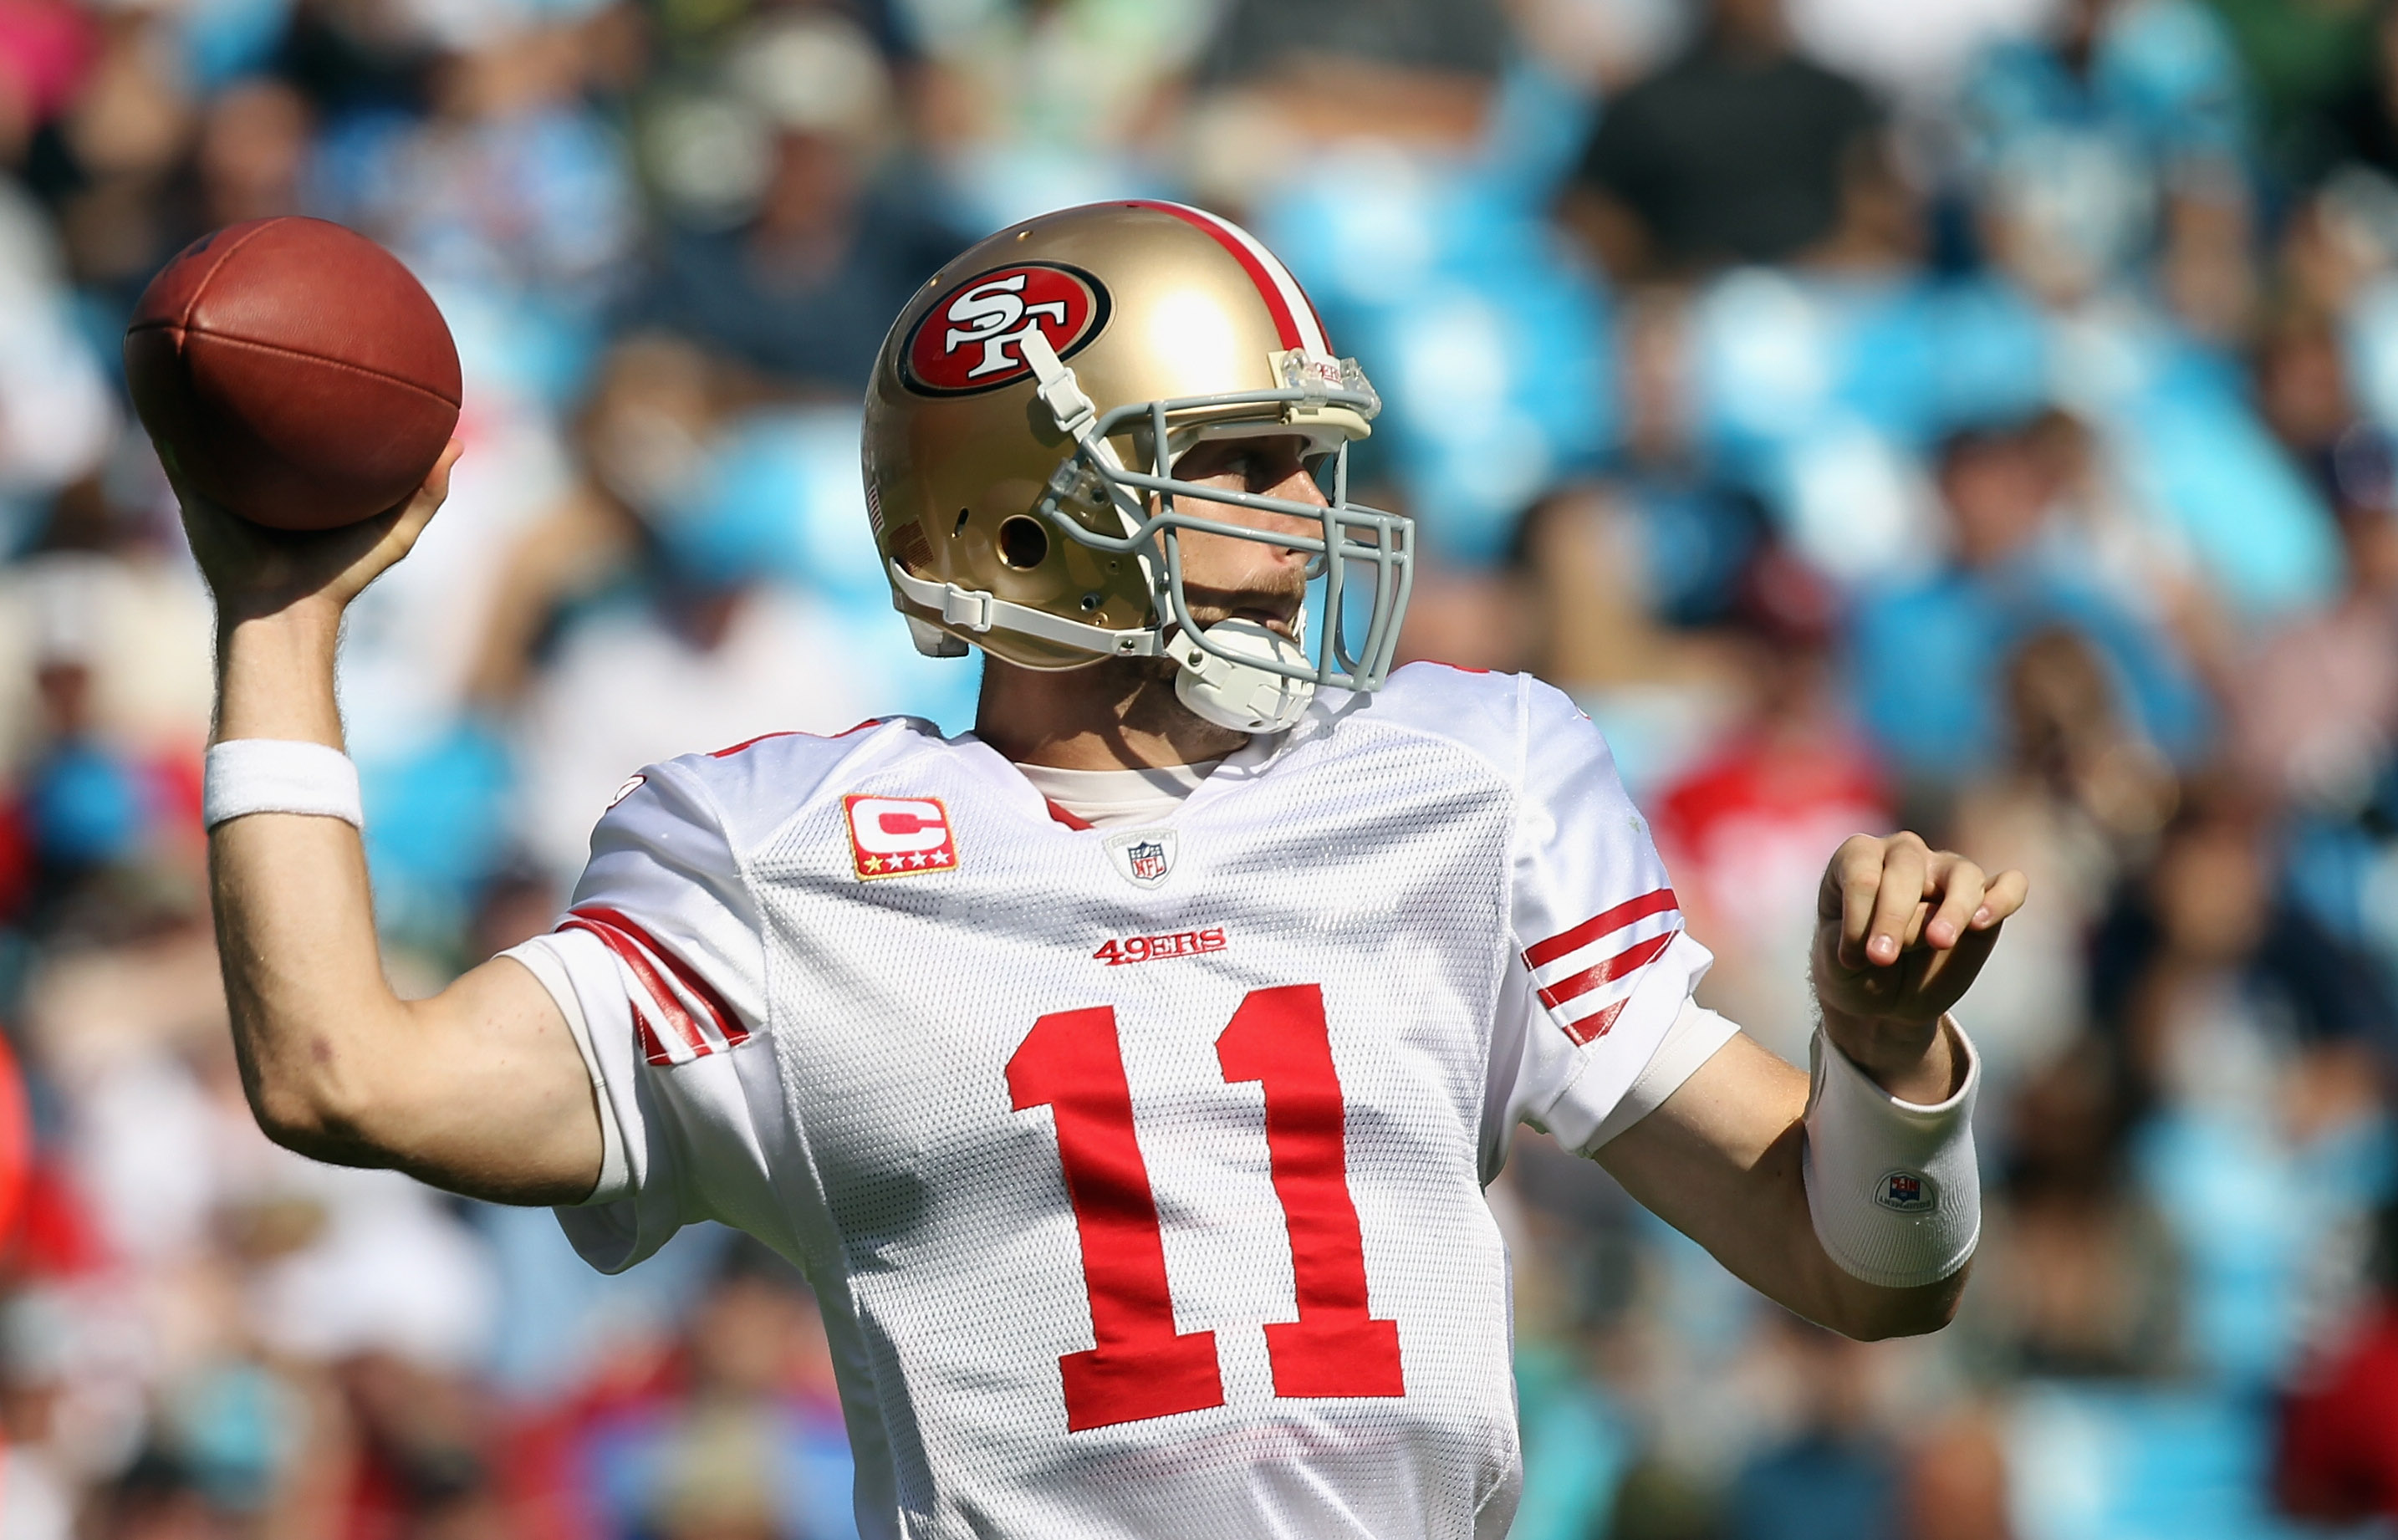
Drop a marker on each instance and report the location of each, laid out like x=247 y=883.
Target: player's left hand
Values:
x=1901 y=932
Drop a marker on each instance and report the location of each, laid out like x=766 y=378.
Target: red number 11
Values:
x=1139 y=1366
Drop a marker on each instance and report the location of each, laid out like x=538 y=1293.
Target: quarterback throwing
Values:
x=1125 y=1074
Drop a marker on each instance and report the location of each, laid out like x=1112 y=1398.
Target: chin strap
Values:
x=1078 y=419
x=973 y=610
x=1221 y=690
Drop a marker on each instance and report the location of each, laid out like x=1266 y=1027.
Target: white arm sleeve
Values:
x=1603 y=971
x=659 y=967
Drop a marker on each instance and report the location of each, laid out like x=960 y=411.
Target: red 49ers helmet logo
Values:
x=972 y=339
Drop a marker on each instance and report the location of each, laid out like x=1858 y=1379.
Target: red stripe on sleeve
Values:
x=1591 y=1028
x=661 y=993
x=1583 y=935
x=1629 y=960
x=652 y=1050
x=1286 y=324
x=727 y=1020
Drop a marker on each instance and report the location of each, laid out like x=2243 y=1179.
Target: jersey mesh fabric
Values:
x=1399 y=853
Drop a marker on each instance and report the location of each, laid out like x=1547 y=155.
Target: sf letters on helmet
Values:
x=991 y=311
x=972 y=338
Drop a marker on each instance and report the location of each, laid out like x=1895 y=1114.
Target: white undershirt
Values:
x=1117 y=799
x=1111 y=799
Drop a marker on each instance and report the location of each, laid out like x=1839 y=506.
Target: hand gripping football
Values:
x=293 y=372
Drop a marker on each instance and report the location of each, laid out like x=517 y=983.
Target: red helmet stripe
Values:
x=1294 y=314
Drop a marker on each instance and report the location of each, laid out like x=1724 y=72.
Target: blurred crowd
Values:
x=1979 y=415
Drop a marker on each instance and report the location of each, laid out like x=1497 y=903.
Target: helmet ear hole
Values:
x=1023 y=544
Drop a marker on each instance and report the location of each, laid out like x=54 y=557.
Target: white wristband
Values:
x=1891 y=1187
x=246 y=776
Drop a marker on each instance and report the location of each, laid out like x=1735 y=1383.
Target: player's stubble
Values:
x=1141 y=689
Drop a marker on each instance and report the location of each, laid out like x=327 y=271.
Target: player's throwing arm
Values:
x=295 y=371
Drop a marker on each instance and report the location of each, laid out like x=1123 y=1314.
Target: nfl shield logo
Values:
x=1142 y=856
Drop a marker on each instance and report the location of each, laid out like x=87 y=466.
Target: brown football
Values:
x=293 y=372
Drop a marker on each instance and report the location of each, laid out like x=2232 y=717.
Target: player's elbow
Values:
x=318 y=1107
x=304 y=1120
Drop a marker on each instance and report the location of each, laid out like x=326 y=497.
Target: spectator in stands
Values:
x=2077 y=797
x=1929 y=658
x=2316 y=709
x=106 y=160
x=736 y=1435
x=2256 y=1038
x=642 y=433
x=1792 y=773
x=2204 y=963
x=1835 y=1476
x=1628 y=576
x=2124 y=130
x=1736 y=151
x=2083 y=1279
x=1702 y=531
x=251 y=154
x=1282 y=88
x=1026 y=105
x=105 y=814
x=512 y=181
x=837 y=236
x=658 y=580
x=45 y=48
x=420 y=1453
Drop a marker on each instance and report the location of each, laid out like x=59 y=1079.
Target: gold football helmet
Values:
x=1021 y=430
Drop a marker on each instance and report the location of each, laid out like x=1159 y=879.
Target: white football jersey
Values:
x=1138 y=1171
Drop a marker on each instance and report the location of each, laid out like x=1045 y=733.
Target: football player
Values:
x=1125 y=1074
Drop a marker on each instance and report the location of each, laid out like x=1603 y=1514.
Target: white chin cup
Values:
x=1234 y=694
